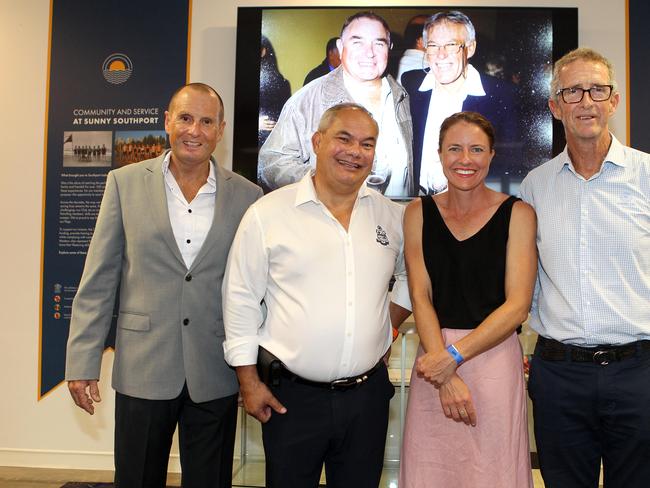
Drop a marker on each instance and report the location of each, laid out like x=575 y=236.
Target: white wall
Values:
x=52 y=432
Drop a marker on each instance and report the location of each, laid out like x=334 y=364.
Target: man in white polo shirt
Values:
x=307 y=280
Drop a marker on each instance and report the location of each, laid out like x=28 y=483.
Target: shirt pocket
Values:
x=636 y=211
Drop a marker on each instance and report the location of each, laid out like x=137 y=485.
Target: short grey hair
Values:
x=331 y=113
x=580 y=54
x=453 y=17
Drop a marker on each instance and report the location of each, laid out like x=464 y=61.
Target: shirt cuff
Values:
x=241 y=351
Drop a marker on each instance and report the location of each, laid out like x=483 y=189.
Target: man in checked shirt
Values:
x=590 y=374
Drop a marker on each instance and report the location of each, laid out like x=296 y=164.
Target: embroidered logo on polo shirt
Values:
x=382 y=238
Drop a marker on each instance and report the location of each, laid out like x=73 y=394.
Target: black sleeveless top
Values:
x=467 y=277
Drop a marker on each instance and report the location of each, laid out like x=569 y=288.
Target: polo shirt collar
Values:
x=306 y=192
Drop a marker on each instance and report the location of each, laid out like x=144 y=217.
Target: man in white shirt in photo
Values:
x=453 y=85
x=308 y=281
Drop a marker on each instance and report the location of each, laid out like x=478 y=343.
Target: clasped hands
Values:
x=439 y=369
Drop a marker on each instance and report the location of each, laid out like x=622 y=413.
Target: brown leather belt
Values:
x=552 y=350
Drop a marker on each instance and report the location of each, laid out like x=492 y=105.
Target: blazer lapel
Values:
x=155 y=186
x=222 y=213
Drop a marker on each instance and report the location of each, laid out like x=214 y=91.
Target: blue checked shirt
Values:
x=593 y=239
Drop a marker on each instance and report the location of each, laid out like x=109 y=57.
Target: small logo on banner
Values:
x=382 y=238
x=117 y=68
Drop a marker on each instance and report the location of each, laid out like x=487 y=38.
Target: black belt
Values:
x=552 y=350
x=341 y=384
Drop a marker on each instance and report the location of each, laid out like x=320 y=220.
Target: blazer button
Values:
x=186 y=321
x=188 y=277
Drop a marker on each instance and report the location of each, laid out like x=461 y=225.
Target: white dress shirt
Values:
x=325 y=290
x=441 y=106
x=190 y=221
x=593 y=237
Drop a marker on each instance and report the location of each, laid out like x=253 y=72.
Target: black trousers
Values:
x=143 y=438
x=346 y=430
x=585 y=412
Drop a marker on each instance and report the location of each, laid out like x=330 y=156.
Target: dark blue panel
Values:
x=105 y=56
x=639 y=54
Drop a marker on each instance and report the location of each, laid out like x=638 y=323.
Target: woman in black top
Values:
x=471 y=261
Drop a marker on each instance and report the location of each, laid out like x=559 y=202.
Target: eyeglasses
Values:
x=449 y=48
x=575 y=94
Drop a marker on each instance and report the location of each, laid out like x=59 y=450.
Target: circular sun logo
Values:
x=117 y=68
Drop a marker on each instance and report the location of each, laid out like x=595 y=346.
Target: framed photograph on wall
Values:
x=513 y=53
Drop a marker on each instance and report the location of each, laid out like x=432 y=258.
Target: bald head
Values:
x=197 y=88
x=195 y=125
x=333 y=112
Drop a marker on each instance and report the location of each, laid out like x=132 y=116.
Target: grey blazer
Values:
x=170 y=325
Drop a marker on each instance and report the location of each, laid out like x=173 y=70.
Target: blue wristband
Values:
x=455 y=354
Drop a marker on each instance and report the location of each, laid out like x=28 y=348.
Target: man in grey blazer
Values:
x=162 y=238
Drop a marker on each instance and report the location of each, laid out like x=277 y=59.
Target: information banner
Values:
x=113 y=65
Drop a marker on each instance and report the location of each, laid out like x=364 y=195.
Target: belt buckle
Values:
x=344 y=383
x=604 y=357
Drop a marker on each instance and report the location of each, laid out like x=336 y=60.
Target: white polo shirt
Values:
x=325 y=289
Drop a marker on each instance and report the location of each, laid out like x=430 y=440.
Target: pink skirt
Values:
x=438 y=452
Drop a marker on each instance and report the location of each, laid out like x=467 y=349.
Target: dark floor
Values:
x=252 y=475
